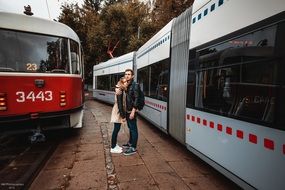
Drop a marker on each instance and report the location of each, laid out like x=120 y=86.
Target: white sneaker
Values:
x=116 y=149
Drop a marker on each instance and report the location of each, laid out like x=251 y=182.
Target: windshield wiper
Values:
x=58 y=71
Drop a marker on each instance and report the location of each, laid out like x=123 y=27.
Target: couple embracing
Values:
x=124 y=110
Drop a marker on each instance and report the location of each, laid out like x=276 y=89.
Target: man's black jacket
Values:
x=132 y=94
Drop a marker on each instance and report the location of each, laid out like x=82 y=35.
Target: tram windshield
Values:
x=26 y=52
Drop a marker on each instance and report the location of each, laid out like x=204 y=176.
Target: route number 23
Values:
x=32 y=96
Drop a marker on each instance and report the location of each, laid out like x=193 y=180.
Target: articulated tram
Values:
x=214 y=79
x=107 y=74
x=41 y=74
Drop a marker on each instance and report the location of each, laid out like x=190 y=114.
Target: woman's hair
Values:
x=120 y=83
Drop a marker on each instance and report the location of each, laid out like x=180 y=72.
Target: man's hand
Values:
x=132 y=115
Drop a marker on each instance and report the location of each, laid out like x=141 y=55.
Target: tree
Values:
x=166 y=10
x=92 y=5
x=104 y=23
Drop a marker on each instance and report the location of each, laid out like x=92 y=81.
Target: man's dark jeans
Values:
x=132 y=125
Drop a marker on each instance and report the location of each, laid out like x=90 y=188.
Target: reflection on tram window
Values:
x=143 y=80
x=108 y=82
x=114 y=80
x=74 y=48
x=191 y=83
x=154 y=78
x=240 y=78
x=103 y=82
x=33 y=53
x=232 y=90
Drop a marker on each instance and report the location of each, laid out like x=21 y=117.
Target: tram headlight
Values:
x=3 y=102
x=62 y=99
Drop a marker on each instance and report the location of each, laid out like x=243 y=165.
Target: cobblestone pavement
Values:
x=83 y=160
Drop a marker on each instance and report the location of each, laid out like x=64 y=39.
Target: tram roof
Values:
x=115 y=61
x=38 y=25
x=197 y=5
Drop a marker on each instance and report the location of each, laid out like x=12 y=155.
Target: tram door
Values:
x=178 y=75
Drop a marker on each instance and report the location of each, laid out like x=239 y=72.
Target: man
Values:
x=132 y=94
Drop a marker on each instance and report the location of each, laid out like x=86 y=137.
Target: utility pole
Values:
x=139 y=32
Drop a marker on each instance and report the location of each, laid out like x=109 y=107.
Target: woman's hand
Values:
x=118 y=91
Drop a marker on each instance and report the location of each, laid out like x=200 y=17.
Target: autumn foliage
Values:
x=117 y=26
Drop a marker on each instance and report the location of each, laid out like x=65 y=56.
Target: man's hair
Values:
x=130 y=70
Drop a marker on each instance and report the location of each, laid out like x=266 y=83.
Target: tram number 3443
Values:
x=32 y=96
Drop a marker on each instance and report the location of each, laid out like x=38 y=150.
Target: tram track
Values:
x=21 y=160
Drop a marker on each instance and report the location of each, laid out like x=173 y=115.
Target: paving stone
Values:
x=132 y=173
x=87 y=180
x=63 y=149
x=91 y=139
x=88 y=166
x=139 y=185
x=61 y=161
x=90 y=155
x=156 y=165
x=121 y=160
x=171 y=181
x=51 y=179
x=187 y=169
x=90 y=147
x=169 y=152
x=148 y=152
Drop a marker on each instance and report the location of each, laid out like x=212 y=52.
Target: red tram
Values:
x=41 y=74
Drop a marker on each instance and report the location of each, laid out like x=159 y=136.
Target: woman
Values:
x=118 y=114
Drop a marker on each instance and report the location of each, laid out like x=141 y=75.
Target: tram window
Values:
x=212 y=7
x=246 y=91
x=247 y=88
x=221 y=2
x=280 y=109
x=205 y=12
x=75 y=64
x=33 y=53
x=114 y=80
x=256 y=93
x=191 y=83
x=199 y=16
x=103 y=82
x=159 y=80
x=143 y=79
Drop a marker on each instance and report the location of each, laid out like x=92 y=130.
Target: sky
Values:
x=49 y=9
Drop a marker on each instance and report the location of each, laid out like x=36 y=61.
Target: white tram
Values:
x=107 y=74
x=214 y=79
